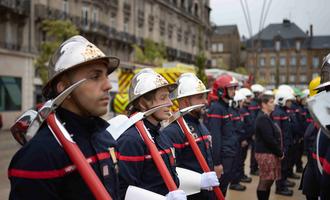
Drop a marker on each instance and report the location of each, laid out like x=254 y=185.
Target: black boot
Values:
x=263 y=195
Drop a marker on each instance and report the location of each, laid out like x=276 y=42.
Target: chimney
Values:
x=311 y=30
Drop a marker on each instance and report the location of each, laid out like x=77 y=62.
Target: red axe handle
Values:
x=156 y=157
x=79 y=160
x=198 y=153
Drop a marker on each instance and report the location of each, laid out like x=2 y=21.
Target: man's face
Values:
x=162 y=96
x=195 y=100
x=231 y=92
x=91 y=98
x=288 y=103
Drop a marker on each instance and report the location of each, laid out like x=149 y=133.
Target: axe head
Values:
x=27 y=125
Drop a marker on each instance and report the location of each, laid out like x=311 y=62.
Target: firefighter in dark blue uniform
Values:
x=224 y=140
x=280 y=116
x=240 y=132
x=249 y=131
x=191 y=91
x=41 y=169
x=147 y=90
x=254 y=109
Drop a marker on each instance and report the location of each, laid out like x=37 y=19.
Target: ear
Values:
x=61 y=86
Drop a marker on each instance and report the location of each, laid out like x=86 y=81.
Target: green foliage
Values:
x=201 y=62
x=56 y=32
x=152 y=54
x=241 y=70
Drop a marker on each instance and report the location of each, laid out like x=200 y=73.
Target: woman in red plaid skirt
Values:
x=268 y=147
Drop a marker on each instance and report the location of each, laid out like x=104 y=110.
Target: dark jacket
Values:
x=283 y=120
x=268 y=136
x=136 y=165
x=185 y=157
x=249 y=123
x=224 y=138
x=42 y=170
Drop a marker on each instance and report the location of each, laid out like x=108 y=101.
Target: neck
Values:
x=153 y=120
x=267 y=112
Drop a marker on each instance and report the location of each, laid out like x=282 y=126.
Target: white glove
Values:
x=176 y=195
x=209 y=180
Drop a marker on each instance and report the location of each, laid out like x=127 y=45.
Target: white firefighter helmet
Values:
x=257 y=88
x=286 y=88
x=239 y=96
x=188 y=85
x=319 y=106
x=73 y=52
x=246 y=92
x=282 y=97
x=268 y=92
x=146 y=81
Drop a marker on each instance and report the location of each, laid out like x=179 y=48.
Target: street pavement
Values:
x=8 y=146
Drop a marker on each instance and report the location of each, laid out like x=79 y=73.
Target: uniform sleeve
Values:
x=263 y=126
x=28 y=178
x=131 y=159
x=215 y=123
x=325 y=179
x=177 y=138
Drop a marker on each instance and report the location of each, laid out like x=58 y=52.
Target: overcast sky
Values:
x=301 y=12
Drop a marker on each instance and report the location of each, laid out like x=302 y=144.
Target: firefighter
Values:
x=238 y=123
x=191 y=91
x=224 y=140
x=41 y=169
x=309 y=183
x=148 y=89
x=254 y=108
x=283 y=100
x=249 y=130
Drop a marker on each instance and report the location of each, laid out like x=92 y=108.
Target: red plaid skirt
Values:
x=269 y=166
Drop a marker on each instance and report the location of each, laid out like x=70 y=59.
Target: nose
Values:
x=107 y=85
x=169 y=101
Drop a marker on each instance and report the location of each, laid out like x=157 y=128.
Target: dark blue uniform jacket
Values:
x=283 y=120
x=185 y=157
x=136 y=165
x=42 y=170
x=224 y=138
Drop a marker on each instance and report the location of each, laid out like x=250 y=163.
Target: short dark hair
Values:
x=265 y=98
x=135 y=107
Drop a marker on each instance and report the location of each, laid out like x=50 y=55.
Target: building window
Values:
x=186 y=37
x=316 y=62
x=282 y=61
x=292 y=78
x=151 y=23
x=126 y=27
x=162 y=27
x=10 y=93
x=85 y=16
x=214 y=47
x=303 y=68
x=293 y=60
x=140 y=18
x=272 y=78
x=95 y=16
x=303 y=78
x=262 y=62
x=277 y=45
x=179 y=34
x=113 y=20
x=298 y=45
x=315 y=74
x=272 y=61
x=303 y=60
x=170 y=31
x=65 y=7
x=193 y=40
x=214 y=62
x=282 y=79
x=220 y=47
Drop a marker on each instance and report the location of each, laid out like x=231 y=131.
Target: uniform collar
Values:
x=189 y=117
x=154 y=130
x=76 y=124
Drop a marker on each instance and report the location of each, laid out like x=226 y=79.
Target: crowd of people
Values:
x=276 y=125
